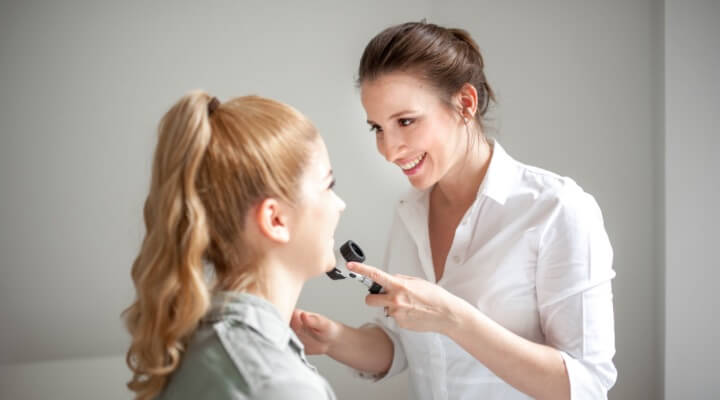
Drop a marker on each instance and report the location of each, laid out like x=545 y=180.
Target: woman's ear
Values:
x=272 y=220
x=468 y=100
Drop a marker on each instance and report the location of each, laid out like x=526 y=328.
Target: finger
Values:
x=381 y=277
x=296 y=313
x=295 y=321
x=313 y=322
x=377 y=300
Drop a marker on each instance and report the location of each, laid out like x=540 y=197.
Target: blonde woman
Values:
x=240 y=214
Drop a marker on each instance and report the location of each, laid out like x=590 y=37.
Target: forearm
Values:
x=367 y=349
x=532 y=368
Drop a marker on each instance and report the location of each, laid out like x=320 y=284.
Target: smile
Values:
x=414 y=163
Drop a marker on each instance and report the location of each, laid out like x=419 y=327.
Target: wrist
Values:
x=333 y=345
x=459 y=316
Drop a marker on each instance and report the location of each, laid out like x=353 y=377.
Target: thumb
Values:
x=315 y=322
x=295 y=320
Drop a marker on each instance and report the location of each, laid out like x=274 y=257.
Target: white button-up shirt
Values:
x=531 y=253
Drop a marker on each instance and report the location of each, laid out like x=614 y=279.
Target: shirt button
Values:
x=456 y=259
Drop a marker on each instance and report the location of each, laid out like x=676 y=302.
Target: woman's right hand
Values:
x=367 y=348
x=317 y=332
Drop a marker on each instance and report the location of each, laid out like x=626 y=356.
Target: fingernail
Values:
x=351 y=265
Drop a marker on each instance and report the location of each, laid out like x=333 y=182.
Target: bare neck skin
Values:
x=459 y=186
x=281 y=288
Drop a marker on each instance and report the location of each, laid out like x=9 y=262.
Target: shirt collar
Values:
x=500 y=175
x=496 y=184
x=254 y=312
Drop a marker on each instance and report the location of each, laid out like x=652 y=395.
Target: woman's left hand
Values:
x=414 y=303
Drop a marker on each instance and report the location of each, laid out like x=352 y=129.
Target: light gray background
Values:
x=621 y=95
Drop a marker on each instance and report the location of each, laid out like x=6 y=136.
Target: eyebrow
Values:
x=393 y=116
x=329 y=175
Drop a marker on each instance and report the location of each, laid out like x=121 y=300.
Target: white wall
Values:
x=83 y=84
x=692 y=190
x=87 y=378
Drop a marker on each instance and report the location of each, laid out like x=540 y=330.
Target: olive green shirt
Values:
x=242 y=349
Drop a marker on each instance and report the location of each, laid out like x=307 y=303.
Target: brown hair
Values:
x=212 y=163
x=447 y=58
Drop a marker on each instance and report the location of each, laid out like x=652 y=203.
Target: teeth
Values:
x=412 y=164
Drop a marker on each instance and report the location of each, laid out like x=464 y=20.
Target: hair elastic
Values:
x=213 y=105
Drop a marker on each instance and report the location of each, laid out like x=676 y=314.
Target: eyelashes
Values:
x=406 y=121
x=402 y=123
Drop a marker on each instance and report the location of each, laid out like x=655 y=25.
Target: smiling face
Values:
x=414 y=128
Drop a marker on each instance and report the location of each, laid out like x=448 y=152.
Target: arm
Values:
x=532 y=368
x=367 y=348
x=576 y=363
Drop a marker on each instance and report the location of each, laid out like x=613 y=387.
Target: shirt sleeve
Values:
x=290 y=389
x=575 y=295
x=399 y=362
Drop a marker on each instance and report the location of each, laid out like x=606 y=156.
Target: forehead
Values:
x=319 y=162
x=393 y=92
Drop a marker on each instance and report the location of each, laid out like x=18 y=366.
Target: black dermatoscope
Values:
x=351 y=252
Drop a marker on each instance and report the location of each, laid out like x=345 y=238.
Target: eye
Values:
x=332 y=185
x=405 y=121
x=375 y=128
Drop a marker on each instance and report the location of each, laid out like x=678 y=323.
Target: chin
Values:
x=421 y=184
x=330 y=264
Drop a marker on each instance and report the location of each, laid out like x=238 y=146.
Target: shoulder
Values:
x=547 y=184
x=206 y=370
x=569 y=217
x=267 y=369
x=558 y=194
x=253 y=356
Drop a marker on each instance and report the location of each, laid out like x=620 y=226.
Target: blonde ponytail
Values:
x=172 y=294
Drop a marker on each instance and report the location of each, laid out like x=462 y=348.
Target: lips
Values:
x=413 y=166
x=413 y=162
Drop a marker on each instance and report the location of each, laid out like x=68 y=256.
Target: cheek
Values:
x=430 y=140
x=380 y=145
x=321 y=216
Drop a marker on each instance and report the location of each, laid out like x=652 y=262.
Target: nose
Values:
x=390 y=146
x=340 y=203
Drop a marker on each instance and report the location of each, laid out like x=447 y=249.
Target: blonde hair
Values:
x=208 y=171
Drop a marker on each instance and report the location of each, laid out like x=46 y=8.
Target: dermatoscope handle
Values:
x=351 y=252
x=375 y=288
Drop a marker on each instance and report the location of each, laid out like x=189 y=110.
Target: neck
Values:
x=280 y=287
x=460 y=185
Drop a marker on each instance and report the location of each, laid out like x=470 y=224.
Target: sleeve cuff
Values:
x=587 y=384
x=399 y=362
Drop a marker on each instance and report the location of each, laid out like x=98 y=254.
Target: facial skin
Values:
x=317 y=215
x=295 y=239
x=412 y=122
